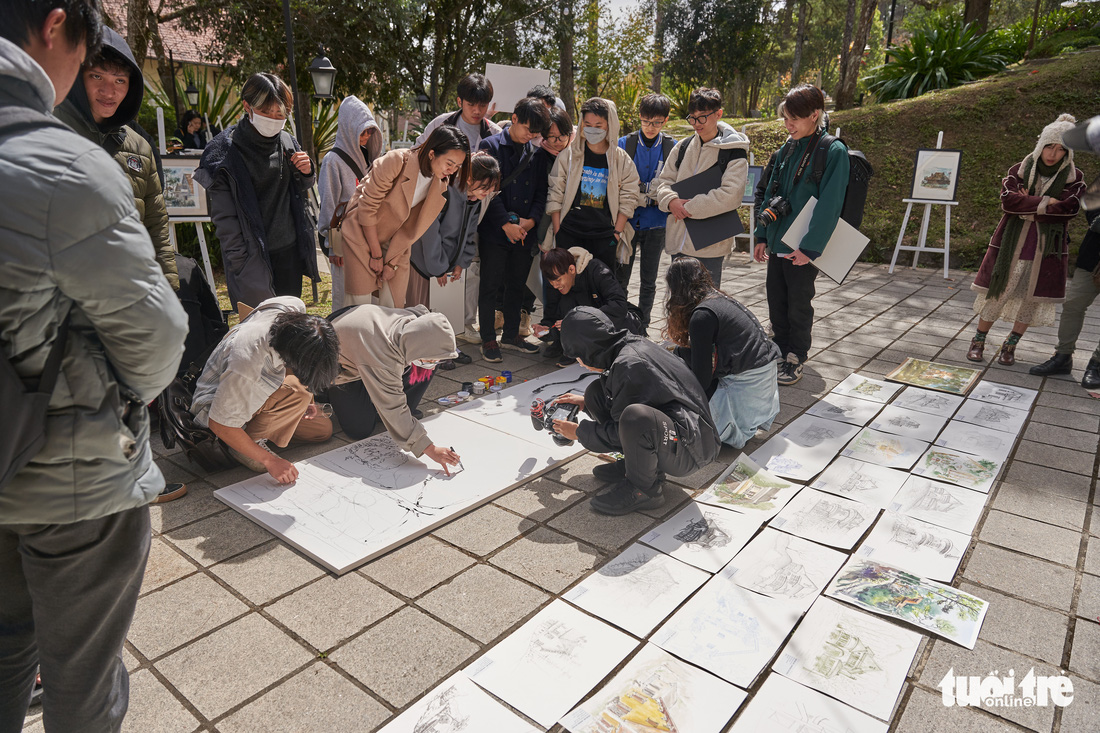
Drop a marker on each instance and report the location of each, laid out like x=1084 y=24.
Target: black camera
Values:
x=543 y=417
x=776 y=209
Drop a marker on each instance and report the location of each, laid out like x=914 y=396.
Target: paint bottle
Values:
x=507 y=376
x=467 y=386
x=501 y=381
x=479 y=388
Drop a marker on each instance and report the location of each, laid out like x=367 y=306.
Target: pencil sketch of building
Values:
x=813 y=436
x=934 y=498
x=703 y=533
x=829 y=516
x=440 y=716
x=1004 y=394
x=916 y=539
x=903 y=421
x=931 y=402
x=844 y=655
x=868 y=388
x=994 y=415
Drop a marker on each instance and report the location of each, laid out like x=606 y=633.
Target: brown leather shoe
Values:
x=1007 y=354
x=977 y=348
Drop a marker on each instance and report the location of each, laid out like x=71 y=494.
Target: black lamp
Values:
x=192 y=94
x=324 y=76
x=423 y=103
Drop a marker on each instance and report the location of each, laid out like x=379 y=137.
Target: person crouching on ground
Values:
x=645 y=404
x=386 y=360
x=257 y=386
x=727 y=349
x=576 y=278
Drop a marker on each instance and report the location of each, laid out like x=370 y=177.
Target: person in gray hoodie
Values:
x=74 y=520
x=358 y=143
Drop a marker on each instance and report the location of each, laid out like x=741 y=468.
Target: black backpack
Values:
x=634 y=139
x=859 y=178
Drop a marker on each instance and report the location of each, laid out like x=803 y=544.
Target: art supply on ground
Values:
x=507 y=376
x=463 y=395
x=467 y=386
x=479 y=388
x=495 y=388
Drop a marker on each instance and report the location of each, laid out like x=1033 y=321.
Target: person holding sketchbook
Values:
x=791 y=185
x=714 y=144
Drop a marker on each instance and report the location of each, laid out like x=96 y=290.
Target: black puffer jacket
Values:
x=595 y=286
x=636 y=372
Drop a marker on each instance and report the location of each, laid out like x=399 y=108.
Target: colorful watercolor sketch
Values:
x=866 y=388
x=956 y=467
x=939 y=377
x=884 y=449
x=750 y=489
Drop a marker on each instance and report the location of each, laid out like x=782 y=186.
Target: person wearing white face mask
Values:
x=258 y=178
x=594 y=189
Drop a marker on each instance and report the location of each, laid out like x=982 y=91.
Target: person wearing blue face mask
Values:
x=594 y=189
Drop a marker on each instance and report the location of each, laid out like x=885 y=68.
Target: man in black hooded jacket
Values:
x=646 y=404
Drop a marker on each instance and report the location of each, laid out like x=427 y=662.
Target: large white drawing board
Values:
x=784 y=706
x=511 y=83
x=458 y=699
x=354 y=503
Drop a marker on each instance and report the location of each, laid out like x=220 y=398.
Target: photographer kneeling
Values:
x=646 y=404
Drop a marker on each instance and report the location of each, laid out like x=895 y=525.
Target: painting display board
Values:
x=844 y=247
x=450 y=300
x=976 y=440
x=784 y=706
x=845 y=409
x=825 y=518
x=704 y=536
x=656 y=692
x=182 y=195
x=856 y=658
x=1003 y=394
x=638 y=589
x=356 y=502
x=728 y=630
x=909 y=423
x=956 y=467
x=866 y=388
x=884 y=449
x=941 y=504
x=457 y=699
x=925 y=400
x=750 y=489
x=935 y=174
x=545 y=666
x=861 y=481
x=993 y=416
x=915 y=546
x=784 y=567
x=510 y=83
x=939 y=377
x=937 y=608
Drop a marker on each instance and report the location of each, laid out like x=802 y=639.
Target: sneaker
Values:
x=490 y=351
x=552 y=350
x=251 y=463
x=790 y=370
x=463 y=358
x=171 y=493
x=624 y=498
x=524 y=323
x=519 y=344
x=610 y=471
x=470 y=336
x=445 y=365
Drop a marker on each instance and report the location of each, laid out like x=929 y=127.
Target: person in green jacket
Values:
x=105 y=97
x=790 y=280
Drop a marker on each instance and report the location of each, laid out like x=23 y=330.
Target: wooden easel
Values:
x=922 y=238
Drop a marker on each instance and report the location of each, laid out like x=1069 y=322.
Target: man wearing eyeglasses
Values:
x=714 y=143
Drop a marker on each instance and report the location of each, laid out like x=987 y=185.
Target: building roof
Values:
x=187 y=47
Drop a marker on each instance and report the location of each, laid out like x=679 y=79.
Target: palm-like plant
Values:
x=936 y=58
x=219 y=97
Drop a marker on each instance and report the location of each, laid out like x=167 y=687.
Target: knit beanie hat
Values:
x=1052 y=135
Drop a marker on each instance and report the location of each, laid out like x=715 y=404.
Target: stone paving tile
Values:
x=154 y=708
x=607 y=533
x=1072 y=388
x=879 y=367
x=796 y=398
x=548 y=559
x=1083 y=714
x=199 y=502
x=316 y=700
x=1092 y=557
x=1074 y=420
x=183 y=472
x=180 y=612
x=484 y=530
x=218 y=537
x=1069 y=485
x=1084 y=404
x=267 y=572
x=230 y=476
x=847 y=346
x=903 y=350
x=417 y=567
x=1084 y=655
x=232 y=664
x=851 y=362
x=1040 y=504
x=404 y=656
x=704 y=476
x=164 y=566
x=1023 y=627
x=1050 y=455
x=540 y=499
x=1088 y=601
x=1028 y=578
x=1031 y=537
x=461 y=602
x=333 y=609
x=577 y=474
x=983 y=660
x=1077 y=440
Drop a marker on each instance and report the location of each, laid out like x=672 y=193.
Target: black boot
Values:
x=1091 y=379
x=1057 y=364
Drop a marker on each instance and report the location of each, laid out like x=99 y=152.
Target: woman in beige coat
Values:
x=594 y=189
x=395 y=203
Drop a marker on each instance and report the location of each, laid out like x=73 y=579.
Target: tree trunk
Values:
x=658 y=47
x=846 y=43
x=846 y=93
x=799 y=38
x=565 y=66
x=977 y=12
x=1034 y=27
x=592 y=54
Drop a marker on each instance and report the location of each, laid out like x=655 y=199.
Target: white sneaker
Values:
x=470 y=336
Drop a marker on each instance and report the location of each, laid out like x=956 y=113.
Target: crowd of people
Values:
x=534 y=208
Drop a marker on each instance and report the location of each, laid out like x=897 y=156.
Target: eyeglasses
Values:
x=654 y=123
x=557 y=138
x=700 y=119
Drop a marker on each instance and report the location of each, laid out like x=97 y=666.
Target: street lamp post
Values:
x=423 y=104
x=192 y=95
x=323 y=74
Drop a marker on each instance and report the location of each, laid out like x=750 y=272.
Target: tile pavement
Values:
x=235 y=631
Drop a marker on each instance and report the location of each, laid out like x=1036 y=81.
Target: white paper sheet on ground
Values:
x=841 y=251
x=929 y=401
x=866 y=388
x=911 y=544
x=884 y=449
x=784 y=566
x=728 y=630
x=510 y=409
x=457 y=700
x=817 y=434
x=510 y=83
x=750 y=489
x=450 y=300
x=825 y=518
x=657 y=692
x=849 y=655
x=784 y=706
x=956 y=467
x=704 y=536
x=976 y=440
x=545 y=666
x=908 y=423
x=1004 y=394
x=783 y=457
x=941 y=504
x=356 y=502
x=889 y=591
x=861 y=481
x=845 y=409
x=993 y=416
x=638 y=589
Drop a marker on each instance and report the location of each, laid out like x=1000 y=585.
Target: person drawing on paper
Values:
x=387 y=356
x=646 y=404
x=790 y=186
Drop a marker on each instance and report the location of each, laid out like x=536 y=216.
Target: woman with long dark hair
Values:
x=726 y=348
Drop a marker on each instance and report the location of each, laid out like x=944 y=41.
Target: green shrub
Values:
x=1012 y=41
x=1063 y=41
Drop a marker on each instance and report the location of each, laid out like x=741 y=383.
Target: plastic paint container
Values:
x=463 y=396
x=479 y=388
x=501 y=381
x=507 y=376
x=467 y=386
x=495 y=388
x=445 y=401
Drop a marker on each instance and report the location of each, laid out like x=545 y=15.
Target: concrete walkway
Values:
x=237 y=632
